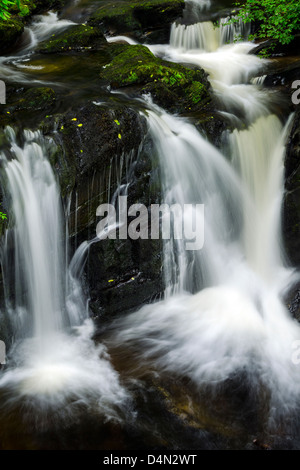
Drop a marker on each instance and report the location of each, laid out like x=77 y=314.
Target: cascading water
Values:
x=204 y=177
x=235 y=321
x=206 y=36
x=222 y=314
x=53 y=361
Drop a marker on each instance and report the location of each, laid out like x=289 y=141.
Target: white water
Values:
x=235 y=321
x=42 y=27
x=206 y=36
x=223 y=312
x=54 y=361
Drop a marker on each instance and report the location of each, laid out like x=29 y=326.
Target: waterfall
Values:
x=37 y=237
x=223 y=314
x=258 y=154
x=53 y=360
x=194 y=171
x=206 y=36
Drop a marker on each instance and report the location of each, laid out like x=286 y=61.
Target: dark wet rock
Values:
x=213 y=125
x=172 y=86
x=137 y=16
x=22 y=102
x=97 y=149
x=284 y=76
x=91 y=136
x=273 y=48
x=291 y=214
x=77 y=38
x=35 y=99
x=292 y=301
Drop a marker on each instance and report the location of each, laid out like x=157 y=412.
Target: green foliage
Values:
x=275 y=19
x=4 y=9
x=3 y=216
x=7 y=7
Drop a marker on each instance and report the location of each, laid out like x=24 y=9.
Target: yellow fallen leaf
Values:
x=111 y=280
x=80 y=125
x=74 y=119
x=119 y=135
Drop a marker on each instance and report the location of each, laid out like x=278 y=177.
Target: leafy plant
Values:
x=6 y=7
x=275 y=19
x=3 y=216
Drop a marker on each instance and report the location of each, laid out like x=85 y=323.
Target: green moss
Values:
x=196 y=92
x=35 y=98
x=76 y=38
x=172 y=85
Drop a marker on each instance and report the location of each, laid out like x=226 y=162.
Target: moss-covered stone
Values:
x=172 y=86
x=77 y=38
x=36 y=99
x=137 y=15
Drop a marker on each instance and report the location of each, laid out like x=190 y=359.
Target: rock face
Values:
x=291 y=216
x=98 y=149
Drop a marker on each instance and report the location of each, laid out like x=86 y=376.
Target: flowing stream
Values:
x=223 y=313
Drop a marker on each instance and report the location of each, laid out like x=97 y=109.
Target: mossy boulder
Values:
x=35 y=99
x=133 y=15
x=173 y=86
x=77 y=38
